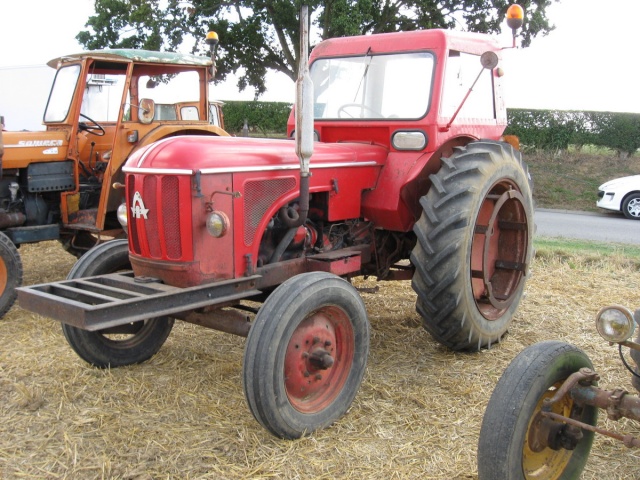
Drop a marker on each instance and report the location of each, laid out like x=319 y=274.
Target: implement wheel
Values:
x=124 y=344
x=514 y=443
x=474 y=245
x=10 y=273
x=306 y=354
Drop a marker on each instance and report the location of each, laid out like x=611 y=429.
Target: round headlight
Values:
x=121 y=214
x=615 y=324
x=217 y=224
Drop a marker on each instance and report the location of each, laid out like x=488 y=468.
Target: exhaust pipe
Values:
x=304 y=122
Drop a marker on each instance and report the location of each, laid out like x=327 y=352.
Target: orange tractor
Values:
x=65 y=183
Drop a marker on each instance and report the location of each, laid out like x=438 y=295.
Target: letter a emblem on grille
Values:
x=137 y=208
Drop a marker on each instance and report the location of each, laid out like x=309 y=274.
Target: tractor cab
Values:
x=62 y=183
x=107 y=102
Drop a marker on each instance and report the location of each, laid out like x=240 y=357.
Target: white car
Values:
x=621 y=195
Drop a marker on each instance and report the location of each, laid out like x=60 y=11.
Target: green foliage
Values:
x=555 y=130
x=258 y=36
x=618 y=131
x=265 y=117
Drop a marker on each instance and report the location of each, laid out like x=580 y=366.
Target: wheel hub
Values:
x=499 y=251
x=318 y=359
x=634 y=207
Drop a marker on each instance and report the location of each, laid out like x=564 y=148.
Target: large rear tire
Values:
x=306 y=354
x=474 y=245
x=507 y=447
x=122 y=345
x=10 y=273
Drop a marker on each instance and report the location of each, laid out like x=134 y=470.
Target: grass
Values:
x=578 y=254
x=570 y=180
x=562 y=246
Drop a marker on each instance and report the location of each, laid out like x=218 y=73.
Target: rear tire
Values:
x=10 y=273
x=474 y=245
x=505 y=451
x=306 y=354
x=122 y=345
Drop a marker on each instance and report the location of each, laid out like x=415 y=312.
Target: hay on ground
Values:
x=183 y=414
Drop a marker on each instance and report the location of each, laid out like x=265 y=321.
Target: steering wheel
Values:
x=93 y=128
x=343 y=109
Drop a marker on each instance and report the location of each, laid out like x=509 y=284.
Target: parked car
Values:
x=542 y=416
x=621 y=195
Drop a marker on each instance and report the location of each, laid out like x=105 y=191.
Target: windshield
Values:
x=168 y=91
x=373 y=86
x=103 y=96
x=61 y=94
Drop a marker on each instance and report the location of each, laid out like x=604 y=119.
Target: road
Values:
x=605 y=227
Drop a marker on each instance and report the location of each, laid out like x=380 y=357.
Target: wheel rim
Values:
x=633 y=207
x=545 y=463
x=318 y=359
x=4 y=277
x=499 y=249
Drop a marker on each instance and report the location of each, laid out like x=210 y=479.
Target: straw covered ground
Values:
x=183 y=414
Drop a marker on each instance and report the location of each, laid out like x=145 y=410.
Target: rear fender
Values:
x=418 y=183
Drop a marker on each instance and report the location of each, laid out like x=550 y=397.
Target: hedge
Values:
x=555 y=130
x=265 y=118
x=549 y=130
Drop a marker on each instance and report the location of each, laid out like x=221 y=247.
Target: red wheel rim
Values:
x=318 y=359
x=4 y=277
x=499 y=249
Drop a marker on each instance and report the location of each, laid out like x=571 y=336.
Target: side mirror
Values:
x=489 y=60
x=146 y=110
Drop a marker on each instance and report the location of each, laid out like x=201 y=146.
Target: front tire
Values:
x=306 y=354
x=474 y=245
x=10 y=273
x=122 y=345
x=631 y=206
x=505 y=448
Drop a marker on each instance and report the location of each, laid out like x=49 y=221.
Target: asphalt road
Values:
x=604 y=227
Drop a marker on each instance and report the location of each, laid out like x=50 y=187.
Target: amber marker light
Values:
x=515 y=16
x=212 y=40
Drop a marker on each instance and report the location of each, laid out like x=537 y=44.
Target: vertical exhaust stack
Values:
x=304 y=116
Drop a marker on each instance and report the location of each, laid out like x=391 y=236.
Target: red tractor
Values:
x=398 y=172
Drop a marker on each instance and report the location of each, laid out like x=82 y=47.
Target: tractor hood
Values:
x=23 y=148
x=188 y=154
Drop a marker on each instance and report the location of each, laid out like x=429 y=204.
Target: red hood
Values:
x=232 y=153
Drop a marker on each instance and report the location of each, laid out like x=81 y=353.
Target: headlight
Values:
x=121 y=214
x=615 y=324
x=217 y=224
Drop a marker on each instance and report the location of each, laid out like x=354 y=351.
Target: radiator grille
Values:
x=159 y=236
x=151 y=224
x=171 y=212
x=134 y=236
x=259 y=196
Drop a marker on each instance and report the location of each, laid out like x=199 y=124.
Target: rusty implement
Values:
x=105 y=301
x=617 y=403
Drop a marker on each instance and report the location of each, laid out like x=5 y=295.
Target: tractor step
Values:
x=104 y=301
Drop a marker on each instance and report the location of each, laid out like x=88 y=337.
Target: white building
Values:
x=24 y=92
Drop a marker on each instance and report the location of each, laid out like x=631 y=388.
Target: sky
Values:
x=586 y=63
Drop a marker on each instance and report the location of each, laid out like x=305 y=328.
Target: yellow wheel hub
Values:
x=546 y=464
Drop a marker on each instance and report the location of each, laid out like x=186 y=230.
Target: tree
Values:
x=262 y=35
